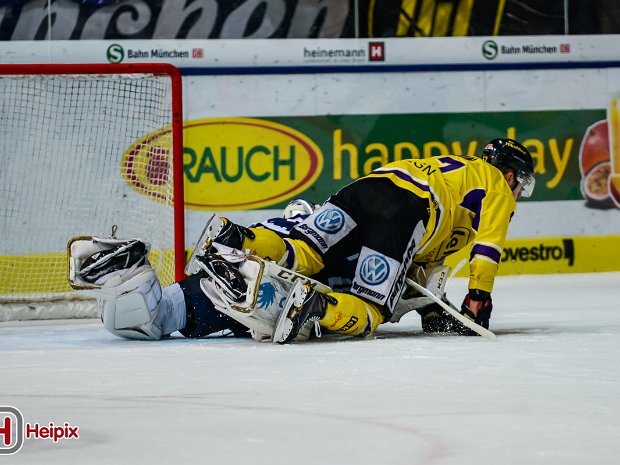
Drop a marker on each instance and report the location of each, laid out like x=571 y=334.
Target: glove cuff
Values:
x=479 y=295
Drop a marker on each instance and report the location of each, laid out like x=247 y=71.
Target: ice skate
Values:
x=221 y=231
x=304 y=304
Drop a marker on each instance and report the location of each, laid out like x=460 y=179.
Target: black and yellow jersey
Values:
x=470 y=201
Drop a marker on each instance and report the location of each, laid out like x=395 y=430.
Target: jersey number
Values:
x=451 y=164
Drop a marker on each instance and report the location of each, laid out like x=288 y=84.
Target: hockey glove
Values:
x=484 y=311
x=95 y=260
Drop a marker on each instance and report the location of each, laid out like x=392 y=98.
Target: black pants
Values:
x=202 y=318
x=381 y=223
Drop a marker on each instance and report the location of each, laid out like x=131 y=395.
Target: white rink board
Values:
x=393 y=93
x=313 y=52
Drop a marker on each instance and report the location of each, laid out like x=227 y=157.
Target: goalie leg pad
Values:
x=129 y=316
x=267 y=287
x=130 y=309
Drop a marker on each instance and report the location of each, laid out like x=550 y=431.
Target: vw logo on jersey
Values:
x=330 y=221
x=374 y=270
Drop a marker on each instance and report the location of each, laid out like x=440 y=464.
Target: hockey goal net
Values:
x=86 y=148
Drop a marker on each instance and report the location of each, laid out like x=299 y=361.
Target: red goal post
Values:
x=86 y=147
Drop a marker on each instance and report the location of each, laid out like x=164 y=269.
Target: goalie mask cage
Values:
x=84 y=148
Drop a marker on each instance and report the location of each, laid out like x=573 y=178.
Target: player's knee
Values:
x=351 y=316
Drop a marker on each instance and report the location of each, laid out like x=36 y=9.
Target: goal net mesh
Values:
x=81 y=153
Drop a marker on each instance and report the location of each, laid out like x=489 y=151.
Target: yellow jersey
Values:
x=470 y=201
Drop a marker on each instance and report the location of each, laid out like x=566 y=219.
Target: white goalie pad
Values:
x=94 y=260
x=434 y=279
x=268 y=286
x=130 y=308
x=130 y=304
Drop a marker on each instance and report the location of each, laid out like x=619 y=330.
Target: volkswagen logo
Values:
x=330 y=221
x=375 y=269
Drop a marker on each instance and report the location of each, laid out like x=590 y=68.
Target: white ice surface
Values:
x=547 y=391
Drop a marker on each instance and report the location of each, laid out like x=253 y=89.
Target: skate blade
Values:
x=210 y=231
x=284 y=326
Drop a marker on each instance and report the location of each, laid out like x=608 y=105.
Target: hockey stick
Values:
x=457 y=268
x=485 y=333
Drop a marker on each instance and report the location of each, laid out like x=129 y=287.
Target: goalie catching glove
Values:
x=94 y=260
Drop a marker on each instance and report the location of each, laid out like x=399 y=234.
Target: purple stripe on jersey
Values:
x=404 y=177
x=473 y=202
x=290 y=257
x=486 y=251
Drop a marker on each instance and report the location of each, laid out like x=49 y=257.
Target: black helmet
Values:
x=508 y=154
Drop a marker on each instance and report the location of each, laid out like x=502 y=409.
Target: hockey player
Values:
x=133 y=304
x=402 y=218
